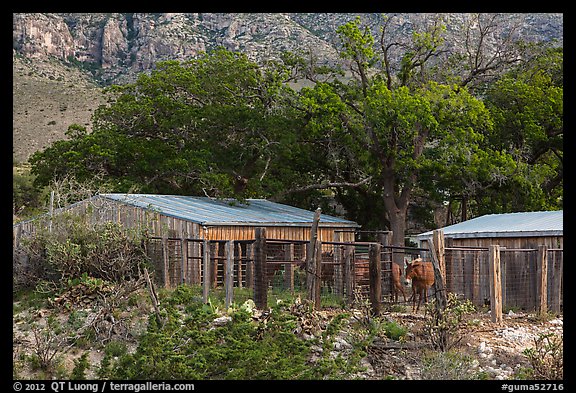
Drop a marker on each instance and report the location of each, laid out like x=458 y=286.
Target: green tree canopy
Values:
x=213 y=126
x=528 y=108
x=392 y=136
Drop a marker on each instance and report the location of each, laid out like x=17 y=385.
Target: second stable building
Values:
x=512 y=230
x=519 y=236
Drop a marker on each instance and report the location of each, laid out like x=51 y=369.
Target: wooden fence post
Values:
x=349 y=273
x=439 y=288
x=315 y=296
x=450 y=265
x=495 y=284
x=375 y=268
x=250 y=252
x=438 y=236
x=260 y=281
x=503 y=269
x=311 y=260
x=542 y=274
x=205 y=270
x=229 y=273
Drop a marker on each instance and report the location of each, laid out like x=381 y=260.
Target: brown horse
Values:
x=397 y=282
x=422 y=276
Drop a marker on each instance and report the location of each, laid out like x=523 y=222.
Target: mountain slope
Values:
x=60 y=59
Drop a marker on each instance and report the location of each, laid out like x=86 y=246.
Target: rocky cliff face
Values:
x=59 y=56
x=119 y=45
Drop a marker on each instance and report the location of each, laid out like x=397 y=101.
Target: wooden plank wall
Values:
x=239 y=232
x=467 y=271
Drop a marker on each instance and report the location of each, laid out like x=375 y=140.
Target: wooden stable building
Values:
x=178 y=226
x=218 y=219
x=203 y=217
x=525 y=241
x=511 y=230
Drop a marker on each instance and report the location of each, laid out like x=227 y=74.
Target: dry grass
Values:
x=48 y=96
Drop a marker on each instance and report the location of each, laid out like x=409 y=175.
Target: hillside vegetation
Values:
x=48 y=96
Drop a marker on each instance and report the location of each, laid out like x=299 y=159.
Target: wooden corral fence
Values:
x=522 y=274
x=528 y=279
x=336 y=269
x=503 y=278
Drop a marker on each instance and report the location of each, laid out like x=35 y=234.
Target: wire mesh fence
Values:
x=345 y=270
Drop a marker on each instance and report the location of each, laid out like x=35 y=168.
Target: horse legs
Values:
x=420 y=293
x=403 y=294
x=395 y=290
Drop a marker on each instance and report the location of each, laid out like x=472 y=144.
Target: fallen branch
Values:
x=399 y=345
x=153 y=296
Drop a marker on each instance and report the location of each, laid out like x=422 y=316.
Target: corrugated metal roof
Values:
x=545 y=223
x=206 y=211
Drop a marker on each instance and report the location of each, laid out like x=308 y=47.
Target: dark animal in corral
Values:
x=397 y=287
x=422 y=276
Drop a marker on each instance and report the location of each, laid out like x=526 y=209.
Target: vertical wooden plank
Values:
x=468 y=275
x=250 y=252
x=229 y=273
x=439 y=291
x=535 y=280
x=338 y=284
x=311 y=272
x=184 y=276
x=238 y=262
x=542 y=277
x=449 y=263
x=260 y=281
x=165 y=260
x=375 y=268
x=205 y=270
x=558 y=278
x=476 y=299
x=503 y=275
x=495 y=284
x=196 y=255
x=289 y=266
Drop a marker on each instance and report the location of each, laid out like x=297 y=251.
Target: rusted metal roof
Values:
x=542 y=223
x=208 y=211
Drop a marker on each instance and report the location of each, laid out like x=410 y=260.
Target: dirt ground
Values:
x=495 y=350
x=484 y=350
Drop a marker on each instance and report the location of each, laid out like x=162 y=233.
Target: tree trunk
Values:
x=396 y=206
x=398 y=228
